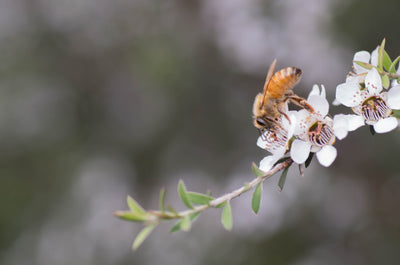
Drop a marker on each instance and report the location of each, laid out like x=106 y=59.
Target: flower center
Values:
x=321 y=134
x=276 y=139
x=375 y=108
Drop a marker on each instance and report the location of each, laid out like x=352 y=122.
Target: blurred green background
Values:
x=100 y=99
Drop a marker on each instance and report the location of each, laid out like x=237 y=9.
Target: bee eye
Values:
x=261 y=122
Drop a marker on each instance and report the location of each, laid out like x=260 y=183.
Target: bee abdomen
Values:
x=283 y=80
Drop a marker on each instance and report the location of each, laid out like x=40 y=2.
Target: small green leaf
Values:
x=185 y=224
x=387 y=62
x=134 y=206
x=162 y=200
x=396 y=113
x=177 y=225
x=257 y=172
x=385 y=81
x=256 y=200
x=131 y=216
x=221 y=205
x=372 y=130
x=198 y=198
x=309 y=159
x=381 y=50
x=365 y=65
x=282 y=179
x=172 y=210
x=392 y=68
x=226 y=217
x=142 y=236
x=183 y=194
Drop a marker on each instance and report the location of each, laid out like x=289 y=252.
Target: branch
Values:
x=152 y=218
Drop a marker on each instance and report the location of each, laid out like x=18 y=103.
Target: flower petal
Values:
x=261 y=142
x=323 y=92
x=354 y=121
x=314 y=91
x=300 y=151
x=373 y=82
x=335 y=102
x=302 y=123
x=293 y=124
x=320 y=104
x=394 y=97
x=374 y=56
x=346 y=94
x=362 y=56
x=386 y=125
x=340 y=126
x=268 y=162
x=327 y=155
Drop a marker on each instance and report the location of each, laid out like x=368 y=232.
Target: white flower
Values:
x=369 y=102
x=359 y=71
x=276 y=142
x=365 y=57
x=315 y=131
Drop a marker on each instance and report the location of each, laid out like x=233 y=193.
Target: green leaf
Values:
x=392 y=68
x=177 y=225
x=381 y=50
x=162 y=200
x=365 y=65
x=387 y=62
x=172 y=210
x=372 y=130
x=256 y=200
x=185 y=224
x=396 y=113
x=282 y=179
x=385 y=81
x=221 y=205
x=182 y=193
x=198 y=198
x=226 y=217
x=142 y=236
x=309 y=159
x=131 y=216
x=246 y=186
x=134 y=206
x=257 y=172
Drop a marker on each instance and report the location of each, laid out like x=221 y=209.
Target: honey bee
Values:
x=270 y=105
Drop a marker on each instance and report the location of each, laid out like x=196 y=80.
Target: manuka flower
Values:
x=315 y=131
x=276 y=142
x=365 y=57
x=369 y=102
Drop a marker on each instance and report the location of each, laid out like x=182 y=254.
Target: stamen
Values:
x=375 y=109
x=321 y=134
x=276 y=139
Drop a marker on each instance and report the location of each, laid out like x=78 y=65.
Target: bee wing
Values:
x=271 y=71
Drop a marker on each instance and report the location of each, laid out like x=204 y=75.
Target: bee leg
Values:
x=301 y=102
x=284 y=114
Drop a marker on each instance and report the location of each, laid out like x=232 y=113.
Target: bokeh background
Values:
x=100 y=99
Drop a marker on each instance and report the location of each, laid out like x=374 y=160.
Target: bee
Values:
x=271 y=104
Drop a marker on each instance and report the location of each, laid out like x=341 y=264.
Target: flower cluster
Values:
x=308 y=131
x=372 y=91
x=369 y=92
